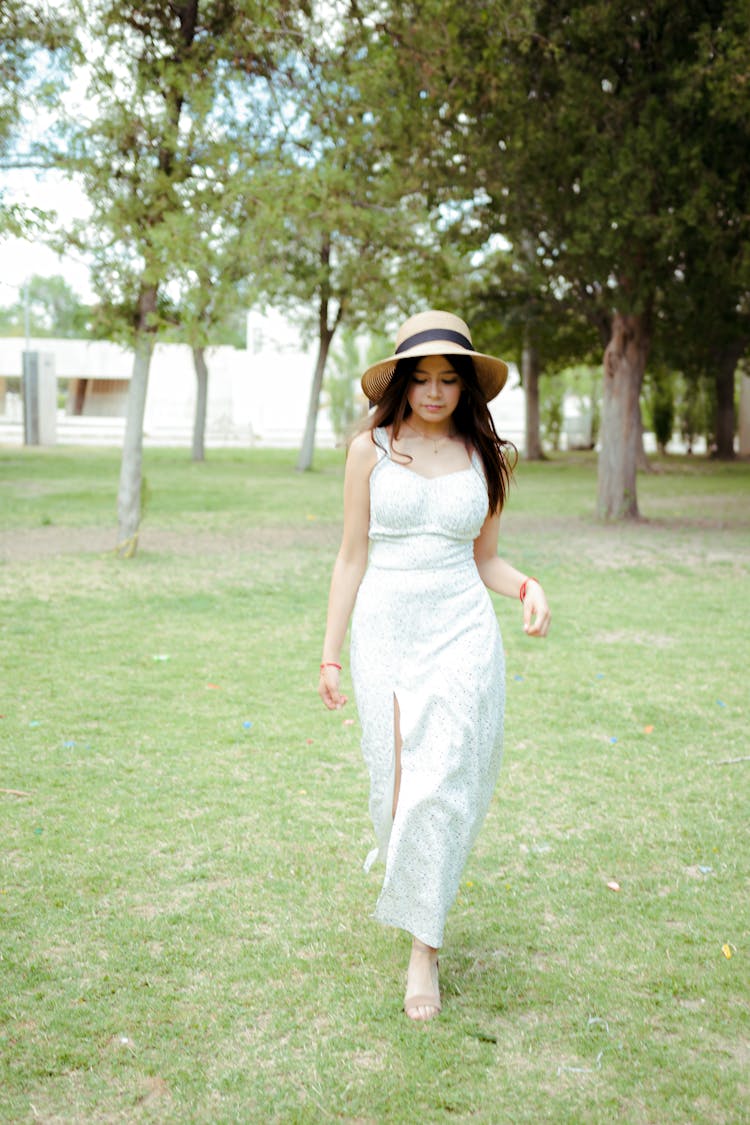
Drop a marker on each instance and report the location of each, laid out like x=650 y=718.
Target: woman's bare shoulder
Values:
x=363 y=452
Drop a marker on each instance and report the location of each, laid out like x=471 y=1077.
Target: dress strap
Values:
x=382 y=444
x=478 y=465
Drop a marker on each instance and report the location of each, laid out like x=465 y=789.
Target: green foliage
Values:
x=604 y=149
x=695 y=409
x=551 y=403
x=610 y=153
x=54 y=309
x=345 y=401
x=36 y=47
x=180 y=100
x=580 y=386
x=659 y=397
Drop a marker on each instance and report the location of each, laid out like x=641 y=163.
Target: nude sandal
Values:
x=420 y=1000
x=424 y=1000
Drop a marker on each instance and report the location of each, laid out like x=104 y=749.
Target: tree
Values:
x=523 y=319
x=592 y=136
x=36 y=45
x=660 y=405
x=713 y=304
x=354 y=243
x=221 y=248
x=340 y=384
x=52 y=308
x=618 y=89
x=162 y=78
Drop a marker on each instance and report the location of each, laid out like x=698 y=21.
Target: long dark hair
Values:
x=471 y=418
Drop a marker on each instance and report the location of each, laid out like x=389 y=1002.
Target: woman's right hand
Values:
x=328 y=688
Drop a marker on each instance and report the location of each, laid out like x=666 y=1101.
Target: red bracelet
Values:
x=330 y=664
x=524 y=584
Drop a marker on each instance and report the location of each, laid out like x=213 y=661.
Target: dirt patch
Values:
x=555 y=540
x=31 y=544
x=687 y=543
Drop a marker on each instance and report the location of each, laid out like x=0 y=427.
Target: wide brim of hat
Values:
x=492 y=373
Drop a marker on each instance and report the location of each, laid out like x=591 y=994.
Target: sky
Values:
x=20 y=258
x=50 y=191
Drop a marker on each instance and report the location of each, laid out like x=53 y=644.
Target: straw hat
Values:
x=435 y=333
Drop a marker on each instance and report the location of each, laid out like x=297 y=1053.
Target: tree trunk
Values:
x=725 y=363
x=325 y=335
x=530 y=381
x=745 y=414
x=129 y=494
x=620 y=434
x=644 y=465
x=201 y=402
x=304 y=461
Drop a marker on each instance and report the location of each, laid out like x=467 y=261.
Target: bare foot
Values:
x=422 y=990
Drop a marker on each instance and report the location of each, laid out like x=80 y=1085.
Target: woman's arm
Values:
x=500 y=576
x=349 y=566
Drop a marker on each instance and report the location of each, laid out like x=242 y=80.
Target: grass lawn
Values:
x=185 y=929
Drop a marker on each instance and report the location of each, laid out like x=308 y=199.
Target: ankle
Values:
x=418 y=946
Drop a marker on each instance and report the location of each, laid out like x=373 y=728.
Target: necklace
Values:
x=436 y=441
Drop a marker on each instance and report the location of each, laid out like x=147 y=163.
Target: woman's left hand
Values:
x=328 y=687
x=536 y=614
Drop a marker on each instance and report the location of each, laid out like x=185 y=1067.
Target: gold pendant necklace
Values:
x=436 y=442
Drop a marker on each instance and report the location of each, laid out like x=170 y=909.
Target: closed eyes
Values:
x=445 y=382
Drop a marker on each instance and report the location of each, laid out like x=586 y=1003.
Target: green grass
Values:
x=185 y=924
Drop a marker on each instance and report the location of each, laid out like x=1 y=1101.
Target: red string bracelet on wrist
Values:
x=330 y=664
x=524 y=584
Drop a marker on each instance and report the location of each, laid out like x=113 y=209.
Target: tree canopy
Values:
x=572 y=176
x=37 y=45
x=605 y=142
x=49 y=306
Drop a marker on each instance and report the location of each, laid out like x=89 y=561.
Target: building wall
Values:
x=257 y=395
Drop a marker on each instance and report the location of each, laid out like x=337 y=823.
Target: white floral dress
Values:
x=424 y=631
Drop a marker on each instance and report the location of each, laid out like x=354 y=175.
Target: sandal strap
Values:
x=422 y=1000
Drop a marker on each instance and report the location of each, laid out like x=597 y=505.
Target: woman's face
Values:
x=434 y=389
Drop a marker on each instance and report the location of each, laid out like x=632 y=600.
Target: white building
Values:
x=257 y=396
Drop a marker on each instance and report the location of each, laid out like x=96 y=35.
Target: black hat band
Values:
x=435 y=334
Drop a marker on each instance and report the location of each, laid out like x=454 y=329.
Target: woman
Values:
x=423 y=491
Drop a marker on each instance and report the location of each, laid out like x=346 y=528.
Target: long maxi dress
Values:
x=424 y=632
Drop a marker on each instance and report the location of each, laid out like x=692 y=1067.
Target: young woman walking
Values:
x=424 y=487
